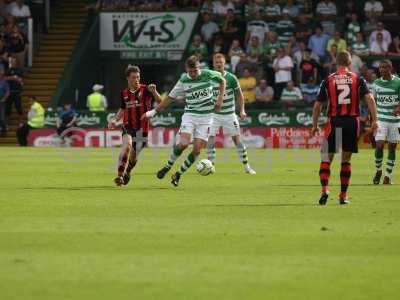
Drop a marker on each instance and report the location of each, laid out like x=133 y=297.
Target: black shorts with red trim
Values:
x=342 y=134
x=139 y=137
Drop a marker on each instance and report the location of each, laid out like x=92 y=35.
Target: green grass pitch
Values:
x=67 y=233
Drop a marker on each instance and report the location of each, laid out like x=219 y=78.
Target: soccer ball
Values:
x=205 y=167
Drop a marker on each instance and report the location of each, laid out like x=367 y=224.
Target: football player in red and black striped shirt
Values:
x=136 y=99
x=342 y=92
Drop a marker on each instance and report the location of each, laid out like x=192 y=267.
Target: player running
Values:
x=196 y=86
x=386 y=91
x=342 y=91
x=226 y=117
x=136 y=100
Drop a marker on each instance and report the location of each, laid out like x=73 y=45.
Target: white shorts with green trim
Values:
x=229 y=124
x=198 y=126
x=389 y=132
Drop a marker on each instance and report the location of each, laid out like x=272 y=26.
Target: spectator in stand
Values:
x=310 y=91
x=197 y=46
x=96 y=101
x=256 y=27
x=308 y=68
x=373 y=8
x=230 y=28
x=299 y=54
x=303 y=29
x=292 y=46
x=318 y=42
x=369 y=25
x=14 y=76
x=35 y=120
x=248 y=84
x=326 y=12
x=291 y=96
x=330 y=61
x=251 y=7
x=234 y=53
x=338 y=41
x=209 y=28
x=379 y=47
x=272 y=13
x=19 y=10
x=285 y=28
x=17 y=46
x=243 y=64
x=282 y=65
x=394 y=48
x=3 y=55
x=207 y=6
x=391 y=7
x=356 y=62
x=221 y=7
x=387 y=37
x=254 y=49
x=271 y=47
x=264 y=96
x=349 y=9
x=217 y=45
x=292 y=8
x=360 y=47
x=353 y=29
x=66 y=119
x=4 y=93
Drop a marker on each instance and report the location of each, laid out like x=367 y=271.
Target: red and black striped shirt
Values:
x=343 y=91
x=135 y=104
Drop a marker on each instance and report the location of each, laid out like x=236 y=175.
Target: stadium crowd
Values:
x=281 y=49
x=13 y=50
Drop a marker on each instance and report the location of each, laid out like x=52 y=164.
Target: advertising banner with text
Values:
x=146 y=35
x=254 y=137
x=172 y=119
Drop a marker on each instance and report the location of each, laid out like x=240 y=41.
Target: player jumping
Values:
x=386 y=91
x=343 y=91
x=136 y=100
x=196 y=86
x=226 y=117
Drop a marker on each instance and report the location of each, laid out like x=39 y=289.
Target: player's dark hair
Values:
x=343 y=59
x=192 y=61
x=131 y=69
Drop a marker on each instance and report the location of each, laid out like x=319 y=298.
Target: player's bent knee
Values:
x=196 y=152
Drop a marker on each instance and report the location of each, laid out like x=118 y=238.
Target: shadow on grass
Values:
x=91 y=188
x=317 y=185
x=267 y=205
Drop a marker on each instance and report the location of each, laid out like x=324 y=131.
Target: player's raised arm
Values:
x=160 y=107
x=153 y=90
